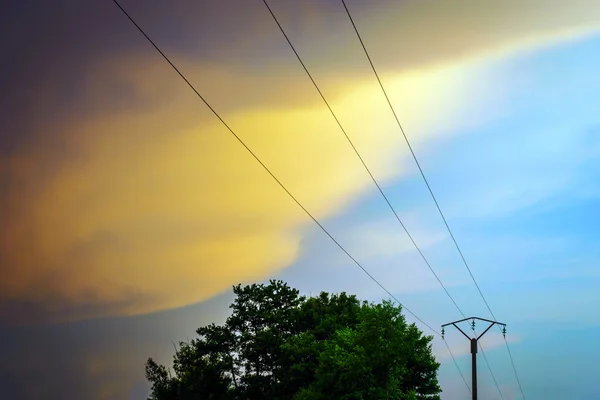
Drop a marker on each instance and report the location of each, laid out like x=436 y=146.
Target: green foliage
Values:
x=279 y=345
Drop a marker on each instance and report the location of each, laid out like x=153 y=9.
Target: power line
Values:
x=413 y=153
x=372 y=177
x=428 y=186
x=277 y=180
x=267 y=169
x=360 y=157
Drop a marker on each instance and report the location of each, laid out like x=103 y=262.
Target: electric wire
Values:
x=370 y=174
x=360 y=157
x=268 y=170
x=428 y=185
x=182 y=76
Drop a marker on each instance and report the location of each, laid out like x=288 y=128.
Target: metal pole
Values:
x=474 y=346
x=474 y=367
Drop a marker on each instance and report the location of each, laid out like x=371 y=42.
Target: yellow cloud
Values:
x=152 y=204
x=160 y=207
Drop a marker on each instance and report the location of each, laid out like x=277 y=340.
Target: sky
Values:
x=128 y=210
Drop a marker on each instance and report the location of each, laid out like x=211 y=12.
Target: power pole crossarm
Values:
x=474 y=341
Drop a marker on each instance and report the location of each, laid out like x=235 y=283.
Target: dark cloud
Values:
x=52 y=47
x=100 y=359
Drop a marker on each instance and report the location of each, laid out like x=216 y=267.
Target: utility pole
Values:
x=474 y=345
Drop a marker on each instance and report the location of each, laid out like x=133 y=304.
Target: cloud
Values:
x=157 y=206
x=97 y=359
x=383 y=249
x=138 y=199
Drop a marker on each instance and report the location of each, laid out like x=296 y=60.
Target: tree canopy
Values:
x=279 y=345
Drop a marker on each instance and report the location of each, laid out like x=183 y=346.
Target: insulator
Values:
x=473 y=325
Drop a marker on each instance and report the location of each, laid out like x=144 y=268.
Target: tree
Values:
x=163 y=386
x=381 y=357
x=279 y=345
